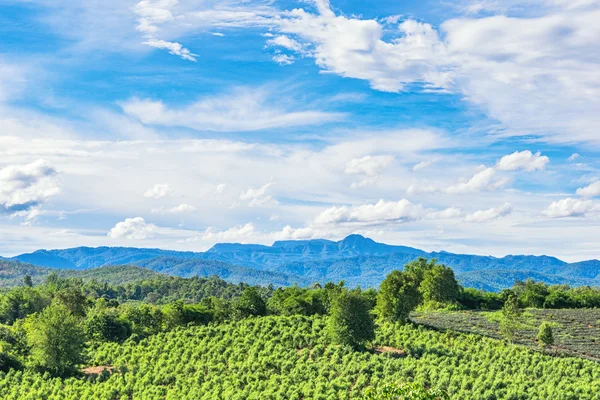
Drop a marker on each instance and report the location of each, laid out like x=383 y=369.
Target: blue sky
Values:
x=467 y=126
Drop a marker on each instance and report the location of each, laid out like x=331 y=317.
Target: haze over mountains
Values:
x=356 y=260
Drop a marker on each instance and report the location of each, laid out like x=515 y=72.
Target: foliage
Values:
x=56 y=338
x=398 y=296
x=545 y=335
x=351 y=322
x=511 y=318
x=575 y=331
x=439 y=285
x=250 y=303
x=291 y=358
x=405 y=391
x=106 y=325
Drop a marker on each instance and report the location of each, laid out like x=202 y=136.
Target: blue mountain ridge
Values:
x=355 y=259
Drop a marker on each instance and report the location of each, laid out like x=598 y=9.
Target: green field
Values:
x=576 y=332
x=292 y=358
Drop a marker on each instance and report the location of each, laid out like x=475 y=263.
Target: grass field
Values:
x=576 y=332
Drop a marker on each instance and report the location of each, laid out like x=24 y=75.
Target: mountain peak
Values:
x=357 y=239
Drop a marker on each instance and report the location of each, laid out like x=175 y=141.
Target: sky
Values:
x=471 y=126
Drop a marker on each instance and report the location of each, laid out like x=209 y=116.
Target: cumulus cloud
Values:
x=180 y=209
x=159 y=191
x=133 y=228
x=482 y=216
x=355 y=48
x=571 y=208
x=382 y=212
x=242 y=110
x=591 y=190
x=25 y=187
x=258 y=197
x=523 y=160
x=483 y=180
x=573 y=157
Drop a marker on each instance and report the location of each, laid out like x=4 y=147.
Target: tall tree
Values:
x=439 y=285
x=350 y=320
x=56 y=339
x=398 y=296
x=511 y=318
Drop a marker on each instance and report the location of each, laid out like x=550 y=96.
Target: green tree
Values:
x=250 y=304
x=105 y=325
x=21 y=302
x=27 y=281
x=545 y=336
x=417 y=268
x=56 y=339
x=398 y=296
x=350 y=320
x=511 y=318
x=531 y=293
x=439 y=285
x=73 y=299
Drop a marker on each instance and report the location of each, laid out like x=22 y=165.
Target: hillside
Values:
x=356 y=260
x=13 y=272
x=292 y=358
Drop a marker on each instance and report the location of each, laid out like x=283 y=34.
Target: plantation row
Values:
x=293 y=358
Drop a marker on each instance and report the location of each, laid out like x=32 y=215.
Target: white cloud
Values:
x=537 y=75
x=381 y=213
x=363 y=183
x=482 y=216
x=258 y=197
x=448 y=213
x=286 y=42
x=368 y=165
x=571 y=208
x=283 y=59
x=242 y=110
x=573 y=157
x=173 y=48
x=133 y=228
x=423 y=165
x=180 y=209
x=591 y=190
x=523 y=160
x=483 y=180
x=421 y=188
x=159 y=191
x=158 y=19
x=354 y=48
x=25 y=187
x=238 y=233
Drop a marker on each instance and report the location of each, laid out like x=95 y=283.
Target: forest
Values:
x=203 y=338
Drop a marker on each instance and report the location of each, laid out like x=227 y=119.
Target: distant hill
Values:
x=355 y=259
x=13 y=272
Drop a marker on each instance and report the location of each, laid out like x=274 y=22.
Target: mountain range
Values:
x=356 y=260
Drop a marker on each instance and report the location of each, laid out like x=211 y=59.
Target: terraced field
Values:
x=576 y=332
